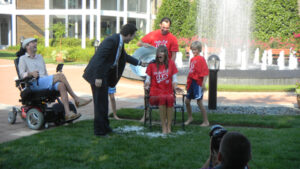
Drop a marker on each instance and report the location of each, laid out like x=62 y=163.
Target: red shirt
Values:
x=161 y=79
x=198 y=70
x=155 y=38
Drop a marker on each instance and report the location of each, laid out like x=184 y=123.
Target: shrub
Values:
x=276 y=18
x=177 y=11
x=13 y=48
x=297 y=89
x=189 y=27
x=277 y=43
x=79 y=54
x=131 y=48
x=64 y=54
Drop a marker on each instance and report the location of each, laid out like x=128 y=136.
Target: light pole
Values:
x=213 y=66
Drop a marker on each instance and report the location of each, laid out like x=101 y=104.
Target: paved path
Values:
x=129 y=94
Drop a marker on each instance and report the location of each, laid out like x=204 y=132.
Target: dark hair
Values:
x=166 y=19
x=21 y=52
x=163 y=49
x=235 y=150
x=216 y=134
x=128 y=29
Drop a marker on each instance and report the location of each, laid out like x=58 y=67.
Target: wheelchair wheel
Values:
x=12 y=116
x=35 y=119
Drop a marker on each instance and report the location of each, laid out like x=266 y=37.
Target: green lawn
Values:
x=275 y=144
x=7 y=55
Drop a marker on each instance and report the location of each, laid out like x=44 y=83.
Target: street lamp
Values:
x=213 y=66
x=96 y=44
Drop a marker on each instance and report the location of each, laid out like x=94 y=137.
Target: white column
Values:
x=83 y=25
x=9 y=32
x=13 y=25
x=67 y=4
x=83 y=31
x=67 y=25
x=76 y=27
x=148 y=21
x=125 y=11
x=67 y=19
x=98 y=20
x=47 y=24
x=92 y=20
x=118 y=17
x=14 y=30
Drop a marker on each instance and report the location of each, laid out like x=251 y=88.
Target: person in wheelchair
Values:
x=33 y=65
x=162 y=81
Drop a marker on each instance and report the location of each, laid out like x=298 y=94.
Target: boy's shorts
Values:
x=162 y=100
x=111 y=90
x=45 y=83
x=195 y=91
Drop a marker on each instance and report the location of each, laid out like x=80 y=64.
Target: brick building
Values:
x=82 y=18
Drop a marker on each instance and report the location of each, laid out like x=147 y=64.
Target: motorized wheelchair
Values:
x=38 y=107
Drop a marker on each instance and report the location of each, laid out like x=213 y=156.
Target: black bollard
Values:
x=212 y=95
x=213 y=66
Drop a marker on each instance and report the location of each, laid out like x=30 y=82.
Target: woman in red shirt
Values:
x=162 y=81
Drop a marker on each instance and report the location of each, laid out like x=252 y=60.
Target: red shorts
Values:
x=167 y=100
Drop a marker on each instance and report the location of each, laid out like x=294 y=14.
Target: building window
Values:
x=57 y=4
x=108 y=25
x=137 y=6
x=74 y=22
x=75 y=4
x=140 y=24
x=111 y=5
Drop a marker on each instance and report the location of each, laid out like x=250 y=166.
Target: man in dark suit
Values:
x=105 y=69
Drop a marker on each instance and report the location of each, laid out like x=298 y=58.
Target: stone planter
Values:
x=59 y=57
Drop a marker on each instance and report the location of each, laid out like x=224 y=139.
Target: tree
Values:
x=177 y=11
x=59 y=30
x=275 y=18
x=189 y=27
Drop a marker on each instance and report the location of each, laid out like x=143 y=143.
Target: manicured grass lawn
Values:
x=7 y=55
x=275 y=144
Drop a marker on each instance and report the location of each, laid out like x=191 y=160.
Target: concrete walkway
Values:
x=129 y=95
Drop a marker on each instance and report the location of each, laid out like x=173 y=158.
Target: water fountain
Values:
x=256 y=57
x=280 y=61
x=226 y=25
x=224 y=30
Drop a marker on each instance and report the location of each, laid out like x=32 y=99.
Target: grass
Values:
x=257 y=88
x=7 y=55
x=275 y=144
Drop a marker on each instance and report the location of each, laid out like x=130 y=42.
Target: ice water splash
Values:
x=139 y=130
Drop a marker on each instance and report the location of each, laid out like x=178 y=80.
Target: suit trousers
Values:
x=100 y=98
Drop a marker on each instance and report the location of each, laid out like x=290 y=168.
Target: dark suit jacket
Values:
x=101 y=64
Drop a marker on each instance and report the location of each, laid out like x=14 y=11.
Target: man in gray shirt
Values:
x=33 y=65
